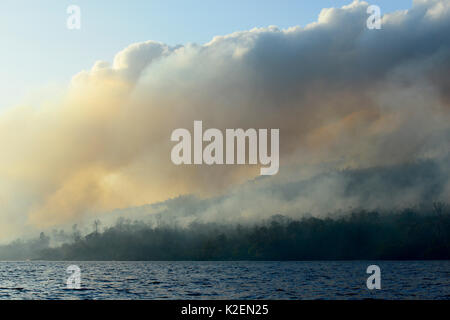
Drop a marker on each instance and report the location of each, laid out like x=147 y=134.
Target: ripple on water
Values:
x=225 y=280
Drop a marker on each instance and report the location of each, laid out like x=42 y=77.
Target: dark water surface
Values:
x=225 y=280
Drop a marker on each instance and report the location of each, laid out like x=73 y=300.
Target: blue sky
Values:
x=38 y=51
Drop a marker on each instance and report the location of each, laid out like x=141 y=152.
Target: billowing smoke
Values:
x=343 y=97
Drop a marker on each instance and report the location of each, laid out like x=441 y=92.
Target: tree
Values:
x=96 y=225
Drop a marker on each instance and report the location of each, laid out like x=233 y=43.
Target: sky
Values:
x=86 y=116
x=40 y=54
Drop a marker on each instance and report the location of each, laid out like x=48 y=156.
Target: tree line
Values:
x=407 y=234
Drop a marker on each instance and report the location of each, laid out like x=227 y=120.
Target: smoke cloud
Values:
x=343 y=97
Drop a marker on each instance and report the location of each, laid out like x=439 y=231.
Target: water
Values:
x=225 y=280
